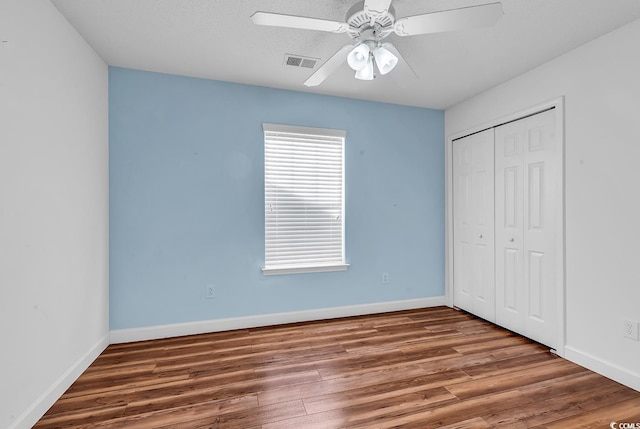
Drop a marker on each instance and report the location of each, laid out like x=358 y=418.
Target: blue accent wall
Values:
x=187 y=200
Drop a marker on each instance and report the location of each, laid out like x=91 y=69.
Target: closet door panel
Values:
x=473 y=198
x=509 y=205
x=525 y=227
x=483 y=191
x=539 y=160
x=463 y=228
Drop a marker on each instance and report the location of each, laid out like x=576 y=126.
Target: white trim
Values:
x=299 y=270
x=550 y=104
x=558 y=105
x=282 y=128
x=216 y=325
x=40 y=406
x=608 y=369
x=448 y=220
x=561 y=238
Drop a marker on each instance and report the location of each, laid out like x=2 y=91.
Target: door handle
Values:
x=512 y=239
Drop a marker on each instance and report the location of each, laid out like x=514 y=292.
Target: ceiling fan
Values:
x=369 y=22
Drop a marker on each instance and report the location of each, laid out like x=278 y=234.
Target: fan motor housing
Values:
x=360 y=20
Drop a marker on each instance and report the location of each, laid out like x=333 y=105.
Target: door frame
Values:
x=558 y=105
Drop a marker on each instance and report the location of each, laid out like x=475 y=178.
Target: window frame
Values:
x=309 y=267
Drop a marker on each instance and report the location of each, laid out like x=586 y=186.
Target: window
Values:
x=304 y=199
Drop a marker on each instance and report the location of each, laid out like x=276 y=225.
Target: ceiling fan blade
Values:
x=329 y=66
x=397 y=53
x=376 y=7
x=449 y=20
x=302 y=22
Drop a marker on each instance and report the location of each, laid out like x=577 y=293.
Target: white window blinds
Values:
x=304 y=199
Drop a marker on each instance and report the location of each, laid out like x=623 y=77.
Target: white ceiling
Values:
x=216 y=39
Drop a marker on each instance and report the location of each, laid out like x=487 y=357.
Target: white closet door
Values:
x=473 y=229
x=525 y=230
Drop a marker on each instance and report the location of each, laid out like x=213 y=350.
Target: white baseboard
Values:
x=603 y=367
x=40 y=406
x=216 y=325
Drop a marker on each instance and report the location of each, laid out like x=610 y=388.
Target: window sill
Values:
x=307 y=269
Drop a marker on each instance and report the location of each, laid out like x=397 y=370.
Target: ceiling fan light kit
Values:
x=370 y=21
x=359 y=57
x=362 y=58
x=385 y=60
x=366 y=73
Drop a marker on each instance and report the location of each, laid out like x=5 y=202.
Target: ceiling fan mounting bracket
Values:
x=360 y=21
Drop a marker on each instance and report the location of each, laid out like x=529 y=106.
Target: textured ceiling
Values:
x=216 y=39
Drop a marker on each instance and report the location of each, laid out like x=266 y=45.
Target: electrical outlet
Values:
x=630 y=329
x=210 y=291
x=385 y=278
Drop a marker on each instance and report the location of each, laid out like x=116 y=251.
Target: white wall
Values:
x=601 y=85
x=53 y=208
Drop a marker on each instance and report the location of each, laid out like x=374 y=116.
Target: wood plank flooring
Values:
x=427 y=368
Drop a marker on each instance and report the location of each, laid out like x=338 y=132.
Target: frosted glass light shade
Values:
x=385 y=60
x=358 y=57
x=366 y=73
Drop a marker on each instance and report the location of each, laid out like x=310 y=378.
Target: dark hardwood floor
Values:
x=428 y=368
